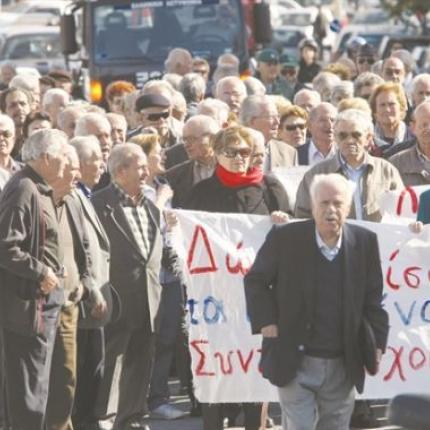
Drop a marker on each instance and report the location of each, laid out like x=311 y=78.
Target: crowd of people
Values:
x=91 y=307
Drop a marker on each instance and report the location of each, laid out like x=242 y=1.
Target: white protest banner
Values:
x=290 y=179
x=401 y=204
x=218 y=249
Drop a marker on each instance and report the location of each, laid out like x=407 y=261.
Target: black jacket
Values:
x=212 y=196
x=280 y=289
x=307 y=72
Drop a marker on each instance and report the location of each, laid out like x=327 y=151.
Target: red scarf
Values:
x=253 y=176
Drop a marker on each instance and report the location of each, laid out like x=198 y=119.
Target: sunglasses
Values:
x=354 y=134
x=290 y=71
x=293 y=127
x=157 y=116
x=233 y=153
x=368 y=60
x=6 y=134
x=272 y=62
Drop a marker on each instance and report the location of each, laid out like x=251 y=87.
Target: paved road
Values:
x=189 y=423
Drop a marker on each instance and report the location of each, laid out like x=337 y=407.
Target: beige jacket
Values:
x=282 y=155
x=411 y=167
x=380 y=176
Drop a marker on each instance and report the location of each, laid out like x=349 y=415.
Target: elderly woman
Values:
x=341 y=91
x=365 y=83
x=115 y=93
x=389 y=107
x=292 y=126
x=237 y=187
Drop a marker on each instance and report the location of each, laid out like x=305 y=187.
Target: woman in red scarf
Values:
x=238 y=186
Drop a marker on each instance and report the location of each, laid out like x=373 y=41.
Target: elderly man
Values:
x=132 y=223
x=197 y=135
x=8 y=166
x=414 y=163
x=321 y=145
x=30 y=83
x=365 y=83
x=54 y=101
x=179 y=61
x=193 y=88
x=268 y=71
x=231 y=90
x=393 y=70
x=7 y=72
x=260 y=113
x=216 y=109
x=353 y=130
x=118 y=125
x=31 y=291
x=307 y=99
x=16 y=103
x=365 y=58
x=97 y=125
x=77 y=284
x=304 y=296
x=420 y=88
x=95 y=314
x=67 y=119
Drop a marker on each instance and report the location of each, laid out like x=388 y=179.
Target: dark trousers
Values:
x=27 y=363
x=63 y=372
x=90 y=369
x=165 y=343
x=213 y=415
x=2 y=387
x=136 y=346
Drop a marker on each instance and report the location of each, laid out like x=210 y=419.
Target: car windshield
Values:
x=207 y=28
x=37 y=46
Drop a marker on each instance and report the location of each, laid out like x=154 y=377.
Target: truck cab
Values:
x=130 y=39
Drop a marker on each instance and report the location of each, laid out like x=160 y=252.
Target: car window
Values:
x=39 y=46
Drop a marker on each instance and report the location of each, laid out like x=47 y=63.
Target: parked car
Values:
x=286 y=40
x=32 y=46
x=402 y=42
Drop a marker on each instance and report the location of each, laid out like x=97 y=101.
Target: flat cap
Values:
x=151 y=100
x=60 y=75
x=268 y=56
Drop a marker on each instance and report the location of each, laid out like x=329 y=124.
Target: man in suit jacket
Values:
x=95 y=314
x=260 y=113
x=197 y=134
x=309 y=303
x=132 y=224
x=321 y=145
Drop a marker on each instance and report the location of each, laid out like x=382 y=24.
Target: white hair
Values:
x=252 y=107
x=324 y=82
x=8 y=120
x=41 y=142
x=26 y=82
x=173 y=79
x=116 y=117
x=81 y=128
x=193 y=87
x=256 y=136
x=70 y=153
x=204 y=124
x=418 y=79
x=52 y=94
x=158 y=87
x=230 y=80
x=254 y=86
x=331 y=180
x=69 y=109
x=308 y=92
x=176 y=55
x=360 y=117
x=86 y=147
x=216 y=109
x=122 y=156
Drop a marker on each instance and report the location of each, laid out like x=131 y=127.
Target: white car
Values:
x=32 y=46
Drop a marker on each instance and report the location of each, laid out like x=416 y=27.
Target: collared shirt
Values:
x=137 y=218
x=355 y=175
x=85 y=190
x=329 y=253
x=202 y=171
x=315 y=155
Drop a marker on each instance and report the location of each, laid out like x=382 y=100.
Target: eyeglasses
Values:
x=293 y=127
x=342 y=135
x=368 y=60
x=288 y=71
x=233 y=152
x=6 y=134
x=157 y=116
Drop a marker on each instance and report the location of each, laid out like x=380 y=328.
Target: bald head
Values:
x=179 y=61
x=393 y=70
